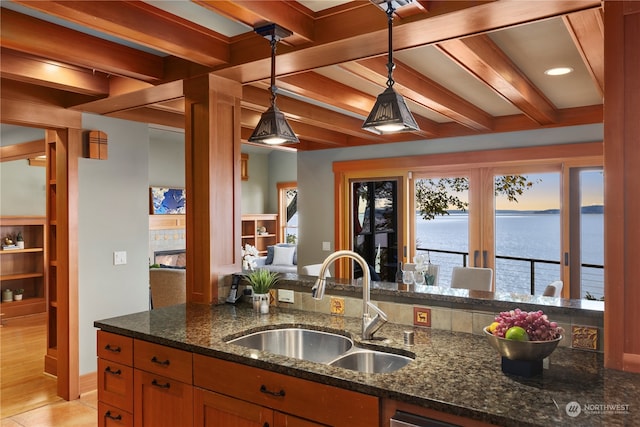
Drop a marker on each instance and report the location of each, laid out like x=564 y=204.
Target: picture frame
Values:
x=167 y=201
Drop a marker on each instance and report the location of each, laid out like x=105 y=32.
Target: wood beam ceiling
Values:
x=590 y=43
x=143 y=24
x=104 y=77
x=482 y=58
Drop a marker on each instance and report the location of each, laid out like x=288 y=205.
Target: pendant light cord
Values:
x=390 y=65
x=273 y=42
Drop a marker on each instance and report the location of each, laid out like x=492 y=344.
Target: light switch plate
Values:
x=119 y=257
x=326 y=246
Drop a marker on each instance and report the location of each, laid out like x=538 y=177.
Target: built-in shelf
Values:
x=250 y=234
x=24 y=268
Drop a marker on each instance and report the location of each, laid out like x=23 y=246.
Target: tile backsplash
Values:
x=164 y=240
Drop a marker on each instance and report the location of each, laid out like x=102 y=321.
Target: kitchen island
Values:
x=454 y=374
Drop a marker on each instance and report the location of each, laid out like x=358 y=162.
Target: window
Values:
x=488 y=220
x=288 y=212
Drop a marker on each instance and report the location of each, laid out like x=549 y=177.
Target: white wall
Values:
x=166 y=158
x=315 y=174
x=282 y=168
x=112 y=216
x=22 y=189
x=255 y=191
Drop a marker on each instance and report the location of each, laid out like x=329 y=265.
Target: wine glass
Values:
x=418 y=278
x=407 y=277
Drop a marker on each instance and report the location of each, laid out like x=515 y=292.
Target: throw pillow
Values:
x=283 y=255
x=269 y=259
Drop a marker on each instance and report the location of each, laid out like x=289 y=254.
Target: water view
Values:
x=527 y=235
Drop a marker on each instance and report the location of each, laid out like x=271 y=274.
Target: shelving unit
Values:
x=24 y=268
x=250 y=235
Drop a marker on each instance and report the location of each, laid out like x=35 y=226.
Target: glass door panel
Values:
x=442 y=222
x=592 y=234
x=375 y=227
x=527 y=232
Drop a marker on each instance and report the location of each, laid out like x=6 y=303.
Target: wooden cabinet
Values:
x=115 y=380
x=172 y=387
x=24 y=268
x=294 y=402
x=143 y=384
x=163 y=394
x=251 y=224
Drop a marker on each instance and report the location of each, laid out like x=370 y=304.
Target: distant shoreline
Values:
x=593 y=209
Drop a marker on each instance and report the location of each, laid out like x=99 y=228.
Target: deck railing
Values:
x=519 y=274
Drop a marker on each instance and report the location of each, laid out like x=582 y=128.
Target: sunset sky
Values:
x=545 y=193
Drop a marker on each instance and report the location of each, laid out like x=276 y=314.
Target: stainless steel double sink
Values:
x=322 y=347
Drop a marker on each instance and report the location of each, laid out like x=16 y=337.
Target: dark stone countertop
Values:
x=452 y=372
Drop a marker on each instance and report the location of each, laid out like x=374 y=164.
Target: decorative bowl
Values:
x=522 y=350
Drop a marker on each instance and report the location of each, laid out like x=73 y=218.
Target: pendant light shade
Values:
x=390 y=113
x=273 y=128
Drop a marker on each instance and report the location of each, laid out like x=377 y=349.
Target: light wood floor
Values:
x=28 y=395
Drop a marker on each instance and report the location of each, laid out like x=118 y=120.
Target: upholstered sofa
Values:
x=281 y=258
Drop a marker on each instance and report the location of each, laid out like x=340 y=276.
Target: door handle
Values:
x=484 y=259
x=475 y=258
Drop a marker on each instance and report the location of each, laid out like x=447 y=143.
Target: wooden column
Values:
x=622 y=184
x=212 y=151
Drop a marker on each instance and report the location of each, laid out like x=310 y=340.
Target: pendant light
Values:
x=273 y=128
x=390 y=113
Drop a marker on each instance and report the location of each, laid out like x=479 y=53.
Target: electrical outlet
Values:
x=285 y=295
x=119 y=257
x=326 y=246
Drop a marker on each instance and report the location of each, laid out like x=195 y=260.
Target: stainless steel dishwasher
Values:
x=404 y=419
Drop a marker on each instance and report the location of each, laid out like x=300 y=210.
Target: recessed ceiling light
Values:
x=558 y=71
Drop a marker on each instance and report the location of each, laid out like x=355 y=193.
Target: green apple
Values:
x=516 y=333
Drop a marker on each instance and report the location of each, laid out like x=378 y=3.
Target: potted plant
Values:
x=19 y=241
x=261 y=281
x=17 y=294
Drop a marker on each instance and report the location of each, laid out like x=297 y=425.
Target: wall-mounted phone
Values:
x=234 y=293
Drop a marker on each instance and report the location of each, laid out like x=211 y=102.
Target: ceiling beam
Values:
x=587 y=31
x=30 y=69
x=424 y=91
x=22 y=150
x=258 y=99
x=483 y=59
x=285 y=13
x=25 y=34
x=143 y=24
x=361 y=32
x=325 y=90
x=133 y=100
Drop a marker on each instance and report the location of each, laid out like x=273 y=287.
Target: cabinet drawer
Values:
x=115 y=348
x=305 y=399
x=165 y=361
x=115 y=384
x=161 y=401
x=110 y=416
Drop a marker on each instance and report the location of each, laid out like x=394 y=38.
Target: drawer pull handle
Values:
x=265 y=425
x=264 y=389
x=108 y=370
x=115 y=349
x=160 y=362
x=157 y=384
x=115 y=418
